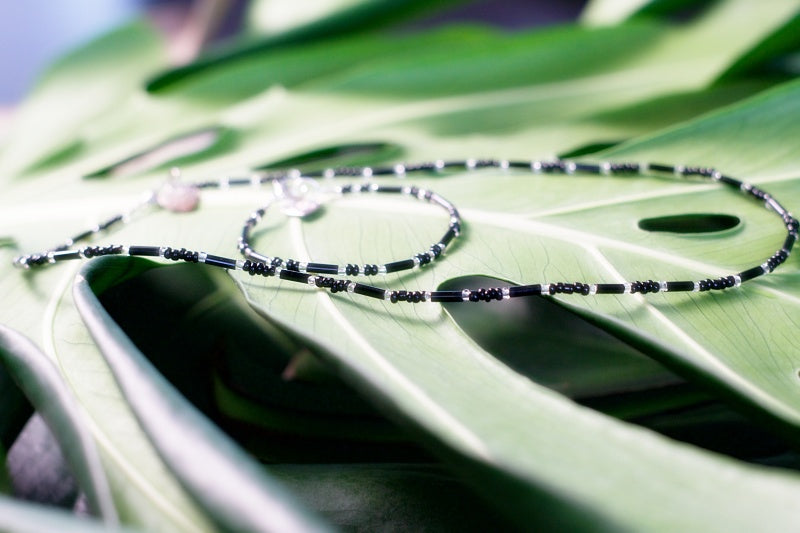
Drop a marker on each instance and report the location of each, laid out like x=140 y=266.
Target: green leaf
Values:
x=146 y=493
x=326 y=22
x=532 y=95
x=186 y=439
x=457 y=393
x=39 y=381
x=23 y=517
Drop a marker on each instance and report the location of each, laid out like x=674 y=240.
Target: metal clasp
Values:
x=296 y=195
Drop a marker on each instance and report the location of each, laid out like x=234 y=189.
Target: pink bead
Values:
x=178 y=197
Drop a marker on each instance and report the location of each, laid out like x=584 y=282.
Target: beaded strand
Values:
x=292 y=272
x=421 y=259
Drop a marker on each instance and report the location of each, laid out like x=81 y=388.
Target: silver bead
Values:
x=465 y=295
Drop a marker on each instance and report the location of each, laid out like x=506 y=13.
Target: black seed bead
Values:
x=552 y=289
x=402 y=296
x=624 y=168
x=393 y=297
x=437 y=250
x=473 y=296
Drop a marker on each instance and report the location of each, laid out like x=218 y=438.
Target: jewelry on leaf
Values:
x=294 y=196
x=420 y=259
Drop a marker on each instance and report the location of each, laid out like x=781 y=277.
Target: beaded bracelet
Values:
x=334 y=285
x=350 y=269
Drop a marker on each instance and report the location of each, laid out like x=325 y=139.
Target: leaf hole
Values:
x=690 y=223
x=355 y=154
x=177 y=150
x=588 y=149
x=555 y=347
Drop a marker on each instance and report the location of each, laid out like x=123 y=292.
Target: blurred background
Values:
x=33 y=33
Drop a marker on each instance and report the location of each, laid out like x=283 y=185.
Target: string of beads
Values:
x=291 y=269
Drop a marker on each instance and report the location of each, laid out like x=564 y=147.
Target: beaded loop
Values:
x=308 y=273
x=351 y=269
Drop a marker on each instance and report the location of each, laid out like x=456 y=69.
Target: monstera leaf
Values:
x=678 y=94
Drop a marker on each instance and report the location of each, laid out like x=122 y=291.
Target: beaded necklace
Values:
x=182 y=197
